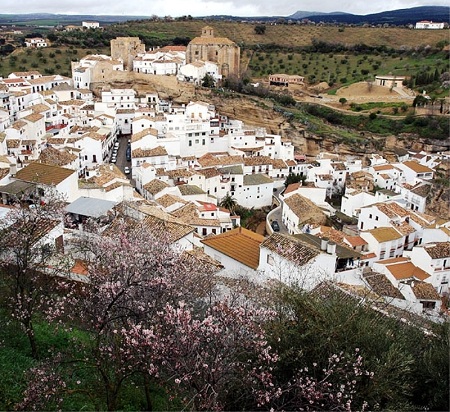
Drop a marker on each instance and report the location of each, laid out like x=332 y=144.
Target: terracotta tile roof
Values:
x=291 y=188
x=28 y=73
x=239 y=244
x=106 y=174
x=368 y=256
x=381 y=285
x=12 y=143
x=380 y=168
x=80 y=267
x=208 y=173
x=417 y=167
x=339 y=166
x=305 y=210
x=72 y=102
x=425 y=291
x=343 y=252
x=156 y=151
x=385 y=234
x=178 y=173
x=406 y=270
x=189 y=215
x=146 y=132
x=37 y=229
x=332 y=234
x=212 y=41
x=201 y=259
x=290 y=248
x=256 y=179
x=257 y=161
x=422 y=189
x=4 y=172
x=163 y=225
x=172 y=48
x=187 y=190
x=394 y=260
x=438 y=250
x=96 y=136
x=40 y=108
x=169 y=200
x=279 y=164
x=19 y=124
x=52 y=156
x=355 y=241
x=155 y=186
x=42 y=173
x=33 y=118
x=404 y=228
x=209 y=160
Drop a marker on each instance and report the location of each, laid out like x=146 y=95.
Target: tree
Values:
x=342 y=101
x=229 y=202
x=132 y=277
x=208 y=81
x=30 y=261
x=213 y=357
x=260 y=29
x=293 y=178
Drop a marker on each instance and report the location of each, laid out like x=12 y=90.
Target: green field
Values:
x=48 y=61
x=341 y=68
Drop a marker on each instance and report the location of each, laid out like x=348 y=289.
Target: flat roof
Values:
x=88 y=206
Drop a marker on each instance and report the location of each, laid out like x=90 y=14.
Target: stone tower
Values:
x=220 y=50
x=126 y=49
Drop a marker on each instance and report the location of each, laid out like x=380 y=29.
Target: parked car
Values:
x=275 y=226
x=113 y=159
x=126 y=170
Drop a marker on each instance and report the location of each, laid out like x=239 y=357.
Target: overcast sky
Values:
x=195 y=8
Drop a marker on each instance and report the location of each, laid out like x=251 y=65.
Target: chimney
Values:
x=12 y=169
x=323 y=243
x=331 y=248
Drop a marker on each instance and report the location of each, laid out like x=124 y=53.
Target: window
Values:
x=370 y=216
x=190 y=142
x=270 y=260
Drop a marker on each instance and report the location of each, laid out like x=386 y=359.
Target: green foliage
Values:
x=293 y=178
x=404 y=360
x=260 y=29
x=208 y=81
x=425 y=127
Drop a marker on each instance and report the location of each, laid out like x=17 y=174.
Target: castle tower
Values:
x=126 y=49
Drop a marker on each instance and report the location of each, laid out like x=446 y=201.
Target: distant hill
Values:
x=63 y=18
x=393 y=17
x=305 y=14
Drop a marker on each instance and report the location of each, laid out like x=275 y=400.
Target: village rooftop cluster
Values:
x=171 y=166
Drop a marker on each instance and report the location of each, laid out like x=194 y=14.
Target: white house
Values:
x=298 y=211
x=429 y=25
x=385 y=242
x=413 y=171
x=434 y=259
x=36 y=42
x=237 y=250
x=292 y=261
x=46 y=177
x=90 y=24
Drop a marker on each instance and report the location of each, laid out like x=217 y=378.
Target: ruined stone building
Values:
x=220 y=50
x=126 y=49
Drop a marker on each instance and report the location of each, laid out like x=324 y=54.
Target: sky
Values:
x=197 y=8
